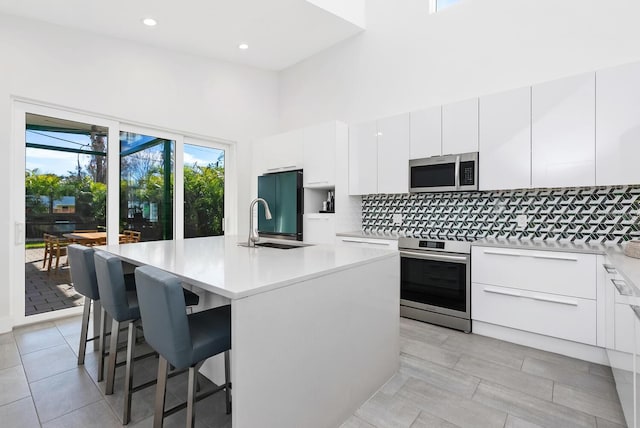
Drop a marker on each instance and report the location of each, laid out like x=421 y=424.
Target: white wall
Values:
x=408 y=59
x=133 y=82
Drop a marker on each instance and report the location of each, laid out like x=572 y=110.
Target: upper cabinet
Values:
x=460 y=127
x=320 y=155
x=363 y=159
x=505 y=140
x=280 y=152
x=618 y=125
x=426 y=133
x=563 y=132
x=379 y=156
x=393 y=154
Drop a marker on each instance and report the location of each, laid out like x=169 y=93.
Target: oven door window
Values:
x=436 y=283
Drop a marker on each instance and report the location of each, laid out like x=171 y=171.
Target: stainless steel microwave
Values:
x=449 y=173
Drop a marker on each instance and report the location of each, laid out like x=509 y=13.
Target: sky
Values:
x=60 y=163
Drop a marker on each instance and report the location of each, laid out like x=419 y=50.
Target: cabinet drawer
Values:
x=569 y=318
x=567 y=274
x=319 y=228
x=624 y=319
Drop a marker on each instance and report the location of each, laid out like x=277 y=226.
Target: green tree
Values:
x=203 y=200
x=38 y=185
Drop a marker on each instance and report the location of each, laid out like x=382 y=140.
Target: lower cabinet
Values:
x=564 y=317
x=544 y=292
x=319 y=228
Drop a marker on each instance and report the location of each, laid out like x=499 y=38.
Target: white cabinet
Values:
x=460 y=127
x=393 y=154
x=379 y=156
x=381 y=243
x=505 y=140
x=426 y=133
x=563 y=132
x=320 y=155
x=280 y=152
x=363 y=159
x=544 y=292
x=618 y=125
x=319 y=228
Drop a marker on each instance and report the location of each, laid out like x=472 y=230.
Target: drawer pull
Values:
x=366 y=242
x=318 y=182
x=274 y=169
x=554 y=300
x=622 y=287
x=610 y=269
x=317 y=218
x=503 y=292
x=549 y=257
x=568 y=259
x=502 y=253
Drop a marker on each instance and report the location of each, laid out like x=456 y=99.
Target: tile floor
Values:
x=446 y=379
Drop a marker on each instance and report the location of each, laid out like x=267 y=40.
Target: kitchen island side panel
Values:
x=308 y=355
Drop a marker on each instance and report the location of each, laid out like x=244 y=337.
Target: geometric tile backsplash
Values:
x=585 y=214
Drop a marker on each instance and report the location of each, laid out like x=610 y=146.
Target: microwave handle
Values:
x=457 y=173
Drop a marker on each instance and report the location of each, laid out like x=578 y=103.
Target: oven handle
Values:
x=432 y=256
x=457 y=172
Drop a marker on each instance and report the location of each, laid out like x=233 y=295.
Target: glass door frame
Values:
x=20 y=107
x=17 y=196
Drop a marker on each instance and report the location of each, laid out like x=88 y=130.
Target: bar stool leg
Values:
x=227 y=381
x=86 y=312
x=113 y=353
x=161 y=389
x=102 y=344
x=191 y=397
x=128 y=378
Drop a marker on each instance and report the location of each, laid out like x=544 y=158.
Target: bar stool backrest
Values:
x=113 y=292
x=83 y=270
x=164 y=316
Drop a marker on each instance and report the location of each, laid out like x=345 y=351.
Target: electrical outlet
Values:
x=522 y=221
x=397 y=218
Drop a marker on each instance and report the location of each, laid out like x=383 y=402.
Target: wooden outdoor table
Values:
x=88 y=238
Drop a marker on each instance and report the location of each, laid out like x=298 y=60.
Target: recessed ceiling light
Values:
x=149 y=22
x=243 y=46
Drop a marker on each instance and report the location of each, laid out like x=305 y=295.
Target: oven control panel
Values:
x=431 y=244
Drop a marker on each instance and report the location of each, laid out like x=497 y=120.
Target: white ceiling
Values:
x=280 y=33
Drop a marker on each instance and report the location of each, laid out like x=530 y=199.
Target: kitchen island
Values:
x=315 y=330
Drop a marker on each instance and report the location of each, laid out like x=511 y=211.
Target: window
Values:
x=437 y=5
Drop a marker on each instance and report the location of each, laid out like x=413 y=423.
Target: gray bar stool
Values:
x=181 y=340
x=122 y=305
x=83 y=275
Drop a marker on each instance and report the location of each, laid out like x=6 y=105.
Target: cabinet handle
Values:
x=503 y=292
x=318 y=218
x=317 y=182
x=274 y=169
x=568 y=259
x=288 y=167
x=554 y=300
x=610 y=269
x=636 y=310
x=366 y=242
x=622 y=287
x=501 y=253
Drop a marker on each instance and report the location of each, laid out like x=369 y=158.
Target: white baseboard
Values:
x=581 y=351
x=6 y=325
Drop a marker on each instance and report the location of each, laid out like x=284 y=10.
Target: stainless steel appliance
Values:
x=444 y=173
x=435 y=283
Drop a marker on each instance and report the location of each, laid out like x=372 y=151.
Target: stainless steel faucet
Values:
x=253 y=232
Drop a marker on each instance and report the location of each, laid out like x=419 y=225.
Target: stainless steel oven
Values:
x=435 y=283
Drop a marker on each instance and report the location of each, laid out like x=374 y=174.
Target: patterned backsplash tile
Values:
x=586 y=214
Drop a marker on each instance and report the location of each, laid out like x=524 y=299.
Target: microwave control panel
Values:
x=467 y=173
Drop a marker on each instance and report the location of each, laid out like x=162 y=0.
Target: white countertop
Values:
x=217 y=264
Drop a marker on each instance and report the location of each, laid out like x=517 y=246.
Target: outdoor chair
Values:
x=53 y=247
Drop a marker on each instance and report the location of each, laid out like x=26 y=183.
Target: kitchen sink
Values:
x=278 y=245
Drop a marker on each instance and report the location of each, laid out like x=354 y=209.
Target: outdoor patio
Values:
x=45 y=292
